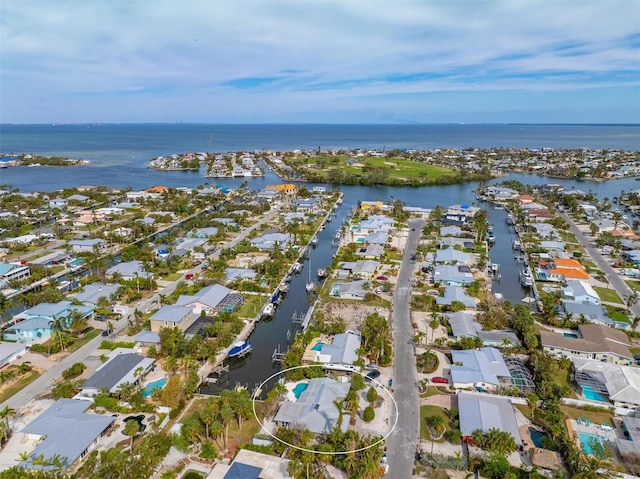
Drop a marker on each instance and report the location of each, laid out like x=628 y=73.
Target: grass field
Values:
x=426 y=411
x=608 y=295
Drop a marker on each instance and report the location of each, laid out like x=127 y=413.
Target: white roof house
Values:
x=620 y=383
x=578 y=290
x=478 y=368
x=484 y=412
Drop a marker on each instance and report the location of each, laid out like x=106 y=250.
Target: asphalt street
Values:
x=403 y=442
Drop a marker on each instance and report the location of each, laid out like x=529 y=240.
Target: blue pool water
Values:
x=536 y=436
x=299 y=389
x=76 y=262
x=589 y=393
x=149 y=388
x=317 y=346
x=587 y=440
x=569 y=335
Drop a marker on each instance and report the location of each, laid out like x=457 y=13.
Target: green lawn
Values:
x=172 y=277
x=19 y=384
x=426 y=411
x=633 y=284
x=78 y=343
x=608 y=295
x=251 y=306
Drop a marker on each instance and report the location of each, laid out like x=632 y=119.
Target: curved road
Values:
x=403 y=442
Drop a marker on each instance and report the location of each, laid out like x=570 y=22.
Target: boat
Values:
x=269 y=309
x=314 y=241
x=297 y=267
x=517 y=245
x=287 y=279
x=491 y=239
x=310 y=286
x=240 y=349
x=525 y=277
x=494 y=268
x=322 y=273
x=284 y=288
x=509 y=219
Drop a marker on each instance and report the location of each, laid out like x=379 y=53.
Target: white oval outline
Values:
x=331 y=453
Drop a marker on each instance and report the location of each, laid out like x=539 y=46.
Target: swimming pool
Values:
x=589 y=393
x=591 y=444
x=152 y=386
x=299 y=389
x=570 y=335
x=76 y=262
x=536 y=437
x=317 y=346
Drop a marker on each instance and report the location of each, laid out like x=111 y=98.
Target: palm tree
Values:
x=4 y=414
x=435 y=426
x=131 y=429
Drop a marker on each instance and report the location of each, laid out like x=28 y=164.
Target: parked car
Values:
x=188 y=276
x=375 y=374
x=106 y=332
x=101 y=317
x=371 y=367
x=439 y=380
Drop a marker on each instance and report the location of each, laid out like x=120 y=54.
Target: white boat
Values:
x=322 y=273
x=517 y=245
x=284 y=288
x=509 y=219
x=314 y=241
x=494 y=268
x=525 y=278
x=310 y=286
x=297 y=267
x=240 y=349
x=268 y=309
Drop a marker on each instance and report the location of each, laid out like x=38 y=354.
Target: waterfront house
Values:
x=451 y=230
x=315 y=409
x=451 y=242
x=211 y=299
x=377 y=238
x=452 y=256
x=553 y=246
x=306 y=205
x=500 y=194
x=205 y=233
x=483 y=412
x=123 y=366
x=343 y=349
x=372 y=251
x=348 y=289
x=233 y=274
x=286 y=188
x=590 y=341
x=464 y=324
x=88 y=246
x=270 y=240
x=187 y=246
x=249 y=465
x=59 y=203
x=64 y=431
x=92 y=293
x=581 y=291
x=579 y=310
x=458 y=294
x=245 y=260
x=452 y=275
x=363 y=268
x=545 y=231
x=483 y=369
x=560 y=269
x=172 y=316
x=12 y=272
x=619 y=384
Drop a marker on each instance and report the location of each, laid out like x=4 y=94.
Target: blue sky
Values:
x=320 y=61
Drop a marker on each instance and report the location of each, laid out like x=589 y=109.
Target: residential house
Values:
x=577 y=290
x=453 y=275
x=245 y=260
x=286 y=188
x=560 y=269
x=12 y=272
x=483 y=412
x=123 y=366
x=233 y=274
x=590 y=341
x=371 y=251
x=203 y=232
x=172 y=316
x=629 y=446
x=211 y=299
x=378 y=238
x=252 y=465
x=129 y=270
x=92 y=293
x=619 y=384
x=483 y=369
x=452 y=256
x=270 y=240
x=553 y=246
x=9 y=352
x=363 y=268
x=343 y=349
x=315 y=409
x=451 y=230
x=64 y=431
x=88 y=245
x=545 y=231
x=187 y=246
x=594 y=313
x=349 y=289
x=307 y=205
x=452 y=242
x=464 y=325
x=456 y=293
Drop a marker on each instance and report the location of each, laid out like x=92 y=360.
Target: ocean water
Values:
x=119 y=152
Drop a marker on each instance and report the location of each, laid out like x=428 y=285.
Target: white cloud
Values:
x=111 y=57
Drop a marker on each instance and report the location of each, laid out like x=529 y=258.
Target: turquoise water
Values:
x=317 y=346
x=149 y=388
x=569 y=335
x=299 y=389
x=536 y=436
x=589 y=393
x=587 y=441
x=76 y=262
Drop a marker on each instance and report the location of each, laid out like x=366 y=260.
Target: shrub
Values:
x=372 y=395
x=368 y=414
x=76 y=370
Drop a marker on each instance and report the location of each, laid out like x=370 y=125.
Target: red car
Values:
x=440 y=380
x=188 y=276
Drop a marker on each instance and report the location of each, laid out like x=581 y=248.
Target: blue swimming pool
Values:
x=536 y=436
x=317 y=346
x=590 y=394
x=591 y=444
x=76 y=262
x=152 y=386
x=299 y=389
x=570 y=335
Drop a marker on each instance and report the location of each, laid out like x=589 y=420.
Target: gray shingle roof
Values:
x=486 y=412
x=119 y=369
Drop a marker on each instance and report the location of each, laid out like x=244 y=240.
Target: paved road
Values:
x=623 y=290
x=46 y=381
x=403 y=442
